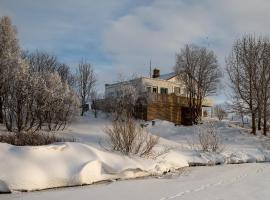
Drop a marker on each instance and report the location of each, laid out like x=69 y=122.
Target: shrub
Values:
x=32 y=139
x=128 y=138
x=220 y=112
x=209 y=138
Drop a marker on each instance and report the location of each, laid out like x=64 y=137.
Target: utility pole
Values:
x=150 y=68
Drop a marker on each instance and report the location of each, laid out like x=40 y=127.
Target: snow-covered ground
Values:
x=239 y=146
x=233 y=182
x=86 y=162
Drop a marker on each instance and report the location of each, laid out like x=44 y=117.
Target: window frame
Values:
x=164 y=90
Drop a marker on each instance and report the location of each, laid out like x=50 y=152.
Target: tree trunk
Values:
x=259 y=119
x=253 y=116
x=1 y=111
x=265 y=116
x=264 y=126
x=83 y=103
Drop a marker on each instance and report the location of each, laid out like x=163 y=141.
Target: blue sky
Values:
x=121 y=36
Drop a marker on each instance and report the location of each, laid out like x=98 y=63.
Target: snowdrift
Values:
x=69 y=164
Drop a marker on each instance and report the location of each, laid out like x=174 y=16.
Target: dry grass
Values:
x=32 y=139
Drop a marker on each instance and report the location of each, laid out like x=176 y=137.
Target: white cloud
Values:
x=156 y=31
x=159 y=30
x=129 y=33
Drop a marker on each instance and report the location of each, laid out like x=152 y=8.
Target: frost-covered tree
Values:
x=35 y=90
x=16 y=99
x=36 y=100
x=9 y=51
x=60 y=104
x=43 y=62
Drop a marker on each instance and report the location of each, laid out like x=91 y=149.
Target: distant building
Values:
x=159 y=84
x=169 y=100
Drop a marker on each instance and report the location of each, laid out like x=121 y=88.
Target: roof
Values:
x=167 y=76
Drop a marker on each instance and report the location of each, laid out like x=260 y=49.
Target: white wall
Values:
x=144 y=82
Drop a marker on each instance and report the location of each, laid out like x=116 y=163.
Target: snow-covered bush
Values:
x=209 y=138
x=128 y=137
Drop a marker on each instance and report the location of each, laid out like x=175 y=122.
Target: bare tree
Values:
x=198 y=68
x=248 y=70
x=66 y=75
x=94 y=96
x=238 y=107
x=220 y=112
x=9 y=49
x=86 y=81
x=263 y=97
x=41 y=61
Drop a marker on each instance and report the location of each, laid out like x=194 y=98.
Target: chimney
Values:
x=156 y=73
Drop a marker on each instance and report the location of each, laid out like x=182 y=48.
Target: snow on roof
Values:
x=167 y=76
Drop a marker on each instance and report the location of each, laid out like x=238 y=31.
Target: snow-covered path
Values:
x=245 y=181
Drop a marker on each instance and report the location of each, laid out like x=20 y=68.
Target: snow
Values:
x=234 y=182
x=239 y=145
x=85 y=161
x=69 y=164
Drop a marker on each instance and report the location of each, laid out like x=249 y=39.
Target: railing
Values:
x=176 y=100
x=169 y=99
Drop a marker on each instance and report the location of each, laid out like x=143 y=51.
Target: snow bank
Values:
x=3 y=187
x=68 y=164
x=239 y=145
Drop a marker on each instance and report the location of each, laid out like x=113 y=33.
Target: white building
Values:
x=162 y=84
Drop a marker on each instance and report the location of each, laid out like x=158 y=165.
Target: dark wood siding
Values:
x=169 y=107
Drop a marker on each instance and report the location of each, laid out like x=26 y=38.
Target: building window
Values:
x=149 y=89
x=177 y=90
x=110 y=94
x=184 y=91
x=155 y=90
x=163 y=90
